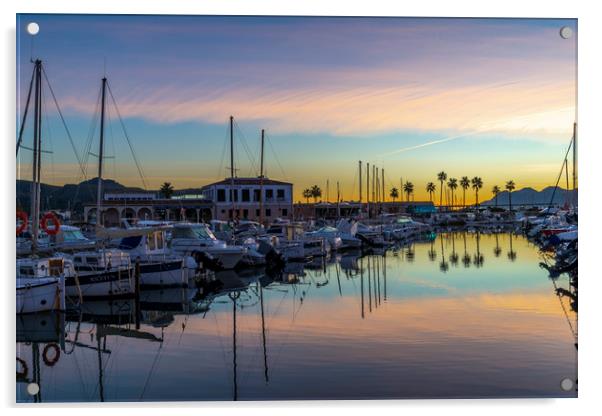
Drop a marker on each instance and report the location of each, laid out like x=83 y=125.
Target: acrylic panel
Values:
x=295 y=208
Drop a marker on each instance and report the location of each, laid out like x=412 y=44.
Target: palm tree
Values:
x=166 y=190
x=477 y=183
x=430 y=188
x=511 y=253
x=496 y=190
x=408 y=188
x=441 y=176
x=444 y=265
x=307 y=194
x=497 y=250
x=453 y=258
x=510 y=185
x=394 y=193
x=466 y=260
x=316 y=193
x=453 y=185
x=478 y=258
x=465 y=184
x=432 y=253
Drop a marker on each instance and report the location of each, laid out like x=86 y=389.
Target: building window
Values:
x=246 y=195
x=245 y=213
x=280 y=194
x=257 y=213
x=234 y=195
x=221 y=195
x=268 y=212
x=269 y=194
x=256 y=195
x=284 y=212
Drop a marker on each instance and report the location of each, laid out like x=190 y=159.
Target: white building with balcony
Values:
x=239 y=198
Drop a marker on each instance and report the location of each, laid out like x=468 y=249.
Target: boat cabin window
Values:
x=26 y=271
x=73 y=235
x=91 y=260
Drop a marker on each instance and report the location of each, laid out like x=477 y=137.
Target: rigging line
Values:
x=246 y=148
x=561 y=170
x=112 y=141
x=138 y=166
x=566 y=315
x=49 y=136
x=56 y=103
x=276 y=157
x=25 y=112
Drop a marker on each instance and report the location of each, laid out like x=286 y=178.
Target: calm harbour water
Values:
x=464 y=315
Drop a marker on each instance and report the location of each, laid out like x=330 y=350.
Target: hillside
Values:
x=529 y=196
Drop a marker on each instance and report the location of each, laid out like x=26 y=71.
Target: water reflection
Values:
x=355 y=325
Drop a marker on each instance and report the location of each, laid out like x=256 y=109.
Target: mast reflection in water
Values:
x=458 y=315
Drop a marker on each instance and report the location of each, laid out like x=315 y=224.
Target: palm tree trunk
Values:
x=464 y=197
x=510 y=199
x=441 y=195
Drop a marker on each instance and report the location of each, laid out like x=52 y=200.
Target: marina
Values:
x=363 y=279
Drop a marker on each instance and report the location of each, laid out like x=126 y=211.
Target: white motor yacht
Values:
x=190 y=237
x=41 y=284
x=104 y=273
x=158 y=266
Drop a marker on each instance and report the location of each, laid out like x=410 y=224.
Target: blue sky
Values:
x=328 y=91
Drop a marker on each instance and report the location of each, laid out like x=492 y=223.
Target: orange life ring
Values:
x=23 y=373
x=52 y=360
x=21 y=215
x=50 y=216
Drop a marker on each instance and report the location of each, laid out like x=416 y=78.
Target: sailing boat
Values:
x=103 y=272
x=40 y=281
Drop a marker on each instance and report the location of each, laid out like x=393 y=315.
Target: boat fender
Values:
x=23 y=217
x=51 y=216
x=52 y=359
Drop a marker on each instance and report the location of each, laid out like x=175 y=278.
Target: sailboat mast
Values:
x=261 y=179
x=383 y=183
x=574 y=164
x=360 y=199
x=232 y=163
x=101 y=154
x=368 y=189
x=37 y=160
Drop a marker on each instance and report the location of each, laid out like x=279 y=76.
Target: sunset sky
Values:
x=474 y=97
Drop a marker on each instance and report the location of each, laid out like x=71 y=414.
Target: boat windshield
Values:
x=73 y=235
x=200 y=233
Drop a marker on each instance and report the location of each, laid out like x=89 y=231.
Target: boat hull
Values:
x=163 y=274
x=47 y=295
x=102 y=284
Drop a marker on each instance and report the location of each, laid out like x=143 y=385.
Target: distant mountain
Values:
x=529 y=196
x=73 y=196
